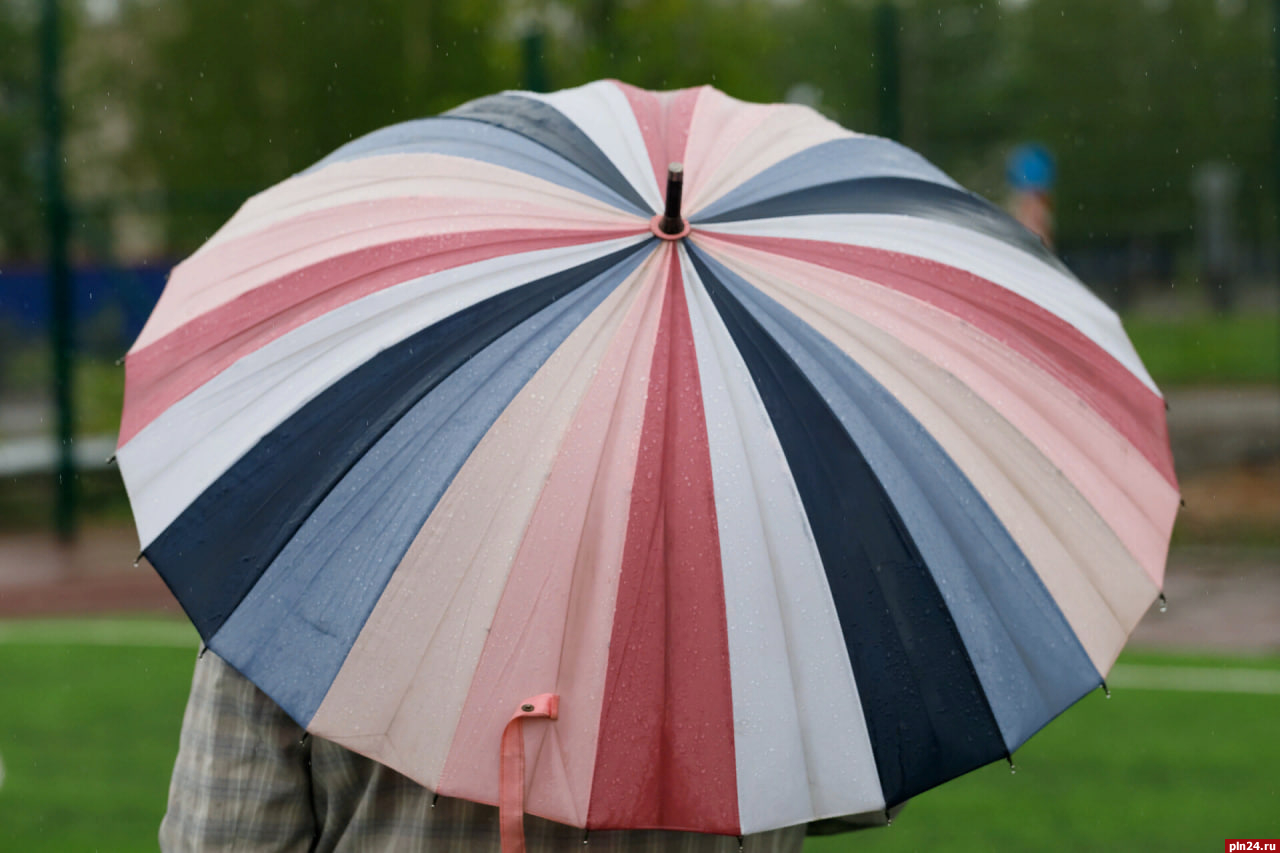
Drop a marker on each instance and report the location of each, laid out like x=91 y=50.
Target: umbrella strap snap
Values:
x=511 y=779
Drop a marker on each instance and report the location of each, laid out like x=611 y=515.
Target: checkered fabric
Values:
x=246 y=779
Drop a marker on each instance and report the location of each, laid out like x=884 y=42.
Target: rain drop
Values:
x=1164 y=603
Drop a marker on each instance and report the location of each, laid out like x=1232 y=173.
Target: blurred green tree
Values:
x=185 y=107
x=958 y=80
x=233 y=96
x=1133 y=97
x=21 y=202
x=670 y=44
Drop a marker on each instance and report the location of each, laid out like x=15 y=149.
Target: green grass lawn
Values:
x=1205 y=349
x=1143 y=770
x=89 y=718
x=88 y=733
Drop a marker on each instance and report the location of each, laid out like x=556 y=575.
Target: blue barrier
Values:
x=114 y=301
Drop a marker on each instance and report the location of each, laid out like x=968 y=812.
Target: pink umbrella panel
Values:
x=844 y=492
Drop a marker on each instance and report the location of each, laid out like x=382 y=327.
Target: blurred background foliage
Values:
x=179 y=109
x=1161 y=116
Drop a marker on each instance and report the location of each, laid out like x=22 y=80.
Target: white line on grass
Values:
x=99 y=632
x=1196 y=679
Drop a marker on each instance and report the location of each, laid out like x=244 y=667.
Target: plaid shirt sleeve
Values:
x=246 y=779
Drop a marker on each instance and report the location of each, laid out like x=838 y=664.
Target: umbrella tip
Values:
x=671 y=222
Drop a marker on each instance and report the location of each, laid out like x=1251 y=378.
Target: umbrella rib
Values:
x=872 y=344
x=475 y=392
x=608 y=328
x=611 y=433
x=735 y=391
x=912 y=662
x=823 y=472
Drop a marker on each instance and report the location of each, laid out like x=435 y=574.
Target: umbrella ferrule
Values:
x=670 y=225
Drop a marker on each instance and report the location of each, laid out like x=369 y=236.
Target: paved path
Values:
x=1219 y=599
x=1213 y=428
x=95 y=574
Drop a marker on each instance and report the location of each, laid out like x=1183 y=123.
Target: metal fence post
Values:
x=1275 y=151
x=59 y=272
x=535 y=73
x=888 y=71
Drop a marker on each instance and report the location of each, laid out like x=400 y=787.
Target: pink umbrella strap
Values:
x=511 y=784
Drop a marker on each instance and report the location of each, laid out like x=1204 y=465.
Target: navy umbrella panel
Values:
x=829 y=486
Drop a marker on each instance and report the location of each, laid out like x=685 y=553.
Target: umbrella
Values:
x=784 y=493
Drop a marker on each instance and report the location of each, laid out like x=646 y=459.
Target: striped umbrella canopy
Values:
x=841 y=489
